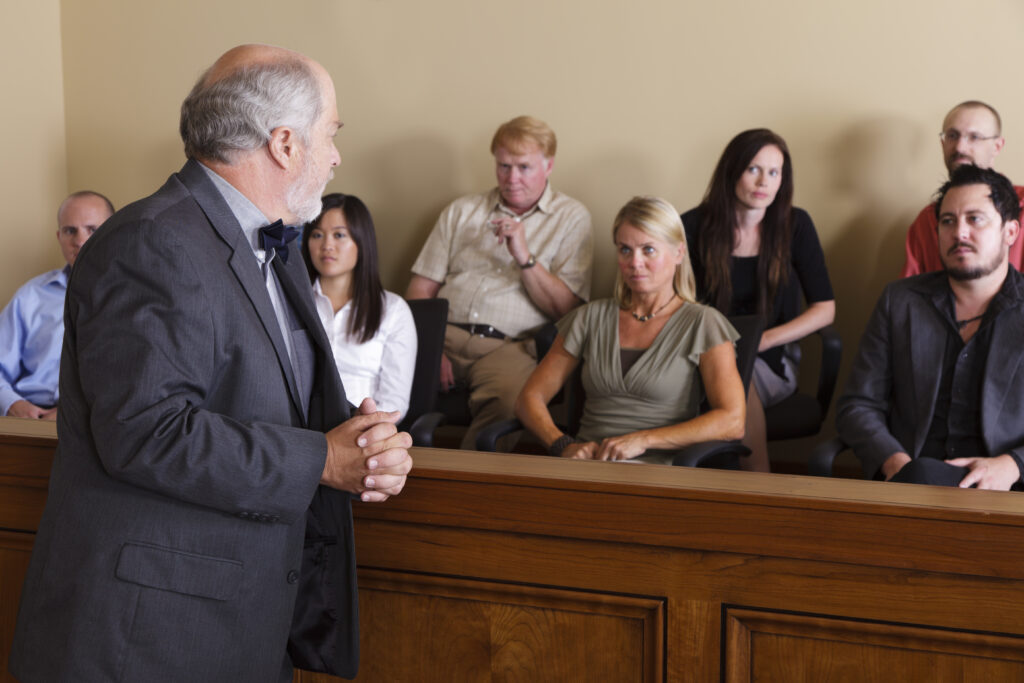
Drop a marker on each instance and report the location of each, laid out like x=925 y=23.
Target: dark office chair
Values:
x=430 y=316
x=823 y=456
x=452 y=407
x=721 y=454
x=726 y=454
x=802 y=414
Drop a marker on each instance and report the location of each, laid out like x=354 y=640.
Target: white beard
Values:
x=304 y=196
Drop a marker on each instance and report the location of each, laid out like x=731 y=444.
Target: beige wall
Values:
x=644 y=95
x=33 y=174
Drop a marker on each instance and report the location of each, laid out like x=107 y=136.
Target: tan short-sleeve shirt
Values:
x=478 y=275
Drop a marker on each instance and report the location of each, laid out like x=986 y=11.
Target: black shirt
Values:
x=807 y=275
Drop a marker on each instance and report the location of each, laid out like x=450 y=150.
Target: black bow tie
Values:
x=276 y=236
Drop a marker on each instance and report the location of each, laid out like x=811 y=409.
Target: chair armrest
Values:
x=487 y=439
x=822 y=457
x=422 y=429
x=698 y=454
x=544 y=338
x=831 y=355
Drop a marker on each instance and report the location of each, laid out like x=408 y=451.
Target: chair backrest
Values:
x=750 y=328
x=430 y=316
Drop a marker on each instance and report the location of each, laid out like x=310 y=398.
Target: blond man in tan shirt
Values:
x=508 y=261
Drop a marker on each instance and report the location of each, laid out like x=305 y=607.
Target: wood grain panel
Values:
x=429 y=628
x=512 y=568
x=765 y=646
x=485 y=631
x=15 y=550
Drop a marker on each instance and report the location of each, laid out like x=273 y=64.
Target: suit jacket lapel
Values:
x=1002 y=364
x=244 y=265
x=327 y=403
x=927 y=332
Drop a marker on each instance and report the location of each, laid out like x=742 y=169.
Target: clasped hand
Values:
x=367 y=455
x=512 y=234
x=31 y=411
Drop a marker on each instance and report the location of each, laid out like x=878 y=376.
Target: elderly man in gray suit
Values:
x=198 y=525
x=936 y=393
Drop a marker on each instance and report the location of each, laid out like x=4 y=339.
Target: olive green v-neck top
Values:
x=662 y=387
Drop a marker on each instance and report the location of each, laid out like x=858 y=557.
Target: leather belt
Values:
x=482 y=330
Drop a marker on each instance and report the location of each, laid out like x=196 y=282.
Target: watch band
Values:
x=530 y=263
x=560 y=444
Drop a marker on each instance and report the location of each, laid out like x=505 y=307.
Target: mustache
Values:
x=958 y=245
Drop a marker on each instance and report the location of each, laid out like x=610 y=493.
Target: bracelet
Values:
x=530 y=263
x=559 y=445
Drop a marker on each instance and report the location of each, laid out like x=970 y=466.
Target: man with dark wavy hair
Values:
x=198 y=526
x=936 y=393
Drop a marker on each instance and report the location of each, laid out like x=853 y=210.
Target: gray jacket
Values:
x=890 y=396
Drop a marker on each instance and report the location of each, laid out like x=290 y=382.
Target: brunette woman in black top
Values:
x=754 y=252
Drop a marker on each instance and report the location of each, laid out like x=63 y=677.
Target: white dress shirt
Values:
x=381 y=368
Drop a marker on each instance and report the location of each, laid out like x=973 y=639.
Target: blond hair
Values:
x=657 y=218
x=523 y=132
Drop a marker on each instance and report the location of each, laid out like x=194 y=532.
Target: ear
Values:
x=1012 y=232
x=549 y=165
x=284 y=147
x=681 y=253
x=1000 y=141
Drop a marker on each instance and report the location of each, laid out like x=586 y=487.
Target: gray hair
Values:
x=237 y=112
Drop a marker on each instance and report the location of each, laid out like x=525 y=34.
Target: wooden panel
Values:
x=15 y=549
x=428 y=628
x=482 y=631
x=509 y=568
x=765 y=646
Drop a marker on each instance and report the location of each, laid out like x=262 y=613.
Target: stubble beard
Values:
x=961 y=274
x=304 y=198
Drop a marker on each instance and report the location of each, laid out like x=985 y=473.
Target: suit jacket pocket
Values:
x=178 y=571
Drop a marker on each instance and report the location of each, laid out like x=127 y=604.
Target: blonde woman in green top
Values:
x=649 y=354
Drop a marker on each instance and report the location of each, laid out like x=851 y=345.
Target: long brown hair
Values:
x=716 y=238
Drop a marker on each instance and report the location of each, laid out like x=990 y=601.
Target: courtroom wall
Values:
x=643 y=95
x=33 y=173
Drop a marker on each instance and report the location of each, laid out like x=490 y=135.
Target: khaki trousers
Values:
x=494 y=371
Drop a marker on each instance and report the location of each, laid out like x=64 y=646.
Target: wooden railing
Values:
x=523 y=568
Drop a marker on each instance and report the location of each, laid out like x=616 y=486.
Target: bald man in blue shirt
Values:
x=32 y=324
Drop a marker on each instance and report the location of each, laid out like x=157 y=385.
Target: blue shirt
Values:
x=31 y=336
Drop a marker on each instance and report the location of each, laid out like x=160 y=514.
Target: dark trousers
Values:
x=930 y=471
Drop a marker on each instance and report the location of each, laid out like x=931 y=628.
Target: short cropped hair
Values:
x=237 y=112
x=523 y=132
x=978 y=104
x=657 y=218
x=1001 y=192
x=84 y=193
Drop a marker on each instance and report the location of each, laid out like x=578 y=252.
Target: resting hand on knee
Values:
x=998 y=473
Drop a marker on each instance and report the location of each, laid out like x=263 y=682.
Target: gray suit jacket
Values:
x=180 y=498
x=891 y=392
